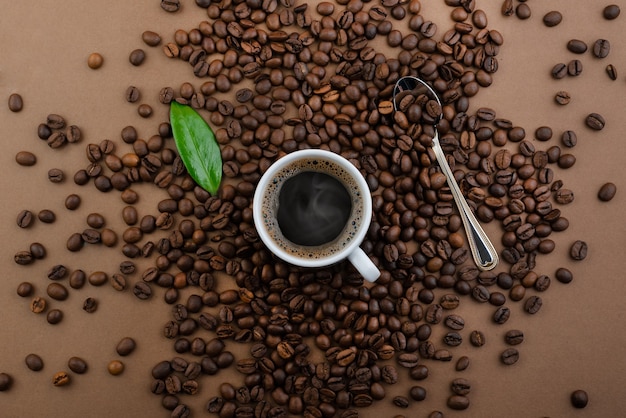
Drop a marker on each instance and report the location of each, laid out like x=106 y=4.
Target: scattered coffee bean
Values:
x=533 y=304
x=522 y=11
x=578 y=250
x=137 y=57
x=54 y=316
x=132 y=94
x=611 y=11
x=77 y=365
x=38 y=305
x=611 y=71
x=115 y=367
x=125 y=346
x=55 y=175
x=5 y=382
x=170 y=6
x=607 y=192
x=462 y=363
x=514 y=337
x=577 y=46
x=562 y=97
x=142 y=290
x=95 y=60
x=16 y=103
x=458 y=402
x=579 y=398
x=61 y=379
x=601 y=48
x=552 y=18
x=25 y=218
x=57 y=291
x=569 y=139
x=595 y=121
x=25 y=158
x=509 y=356
x=574 y=68
x=144 y=110
x=90 y=305
x=25 y=289
x=559 y=71
x=72 y=202
x=34 y=362
x=46 y=216
x=151 y=38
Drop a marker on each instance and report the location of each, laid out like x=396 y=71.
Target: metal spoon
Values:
x=483 y=251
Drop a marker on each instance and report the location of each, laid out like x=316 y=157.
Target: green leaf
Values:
x=197 y=146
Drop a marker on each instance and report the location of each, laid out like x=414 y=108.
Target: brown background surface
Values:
x=577 y=340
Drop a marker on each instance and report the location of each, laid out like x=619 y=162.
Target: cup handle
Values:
x=364 y=265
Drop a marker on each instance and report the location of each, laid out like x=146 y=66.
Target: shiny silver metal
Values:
x=484 y=254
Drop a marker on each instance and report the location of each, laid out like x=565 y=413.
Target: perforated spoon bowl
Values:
x=484 y=254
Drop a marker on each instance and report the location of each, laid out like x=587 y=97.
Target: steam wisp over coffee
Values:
x=313 y=208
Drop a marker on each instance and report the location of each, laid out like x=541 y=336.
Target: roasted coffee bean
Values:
x=46 y=216
x=559 y=71
x=562 y=97
x=115 y=367
x=459 y=402
x=125 y=346
x=533 y=304
x=611 y=71
x=16 y=103
x=137 y=57
x=552 y=18
x=72 y=202
x=54 y=316
x=601 y=48
x=611 y=12
x=477 y=338
x=509 y=356
x=34 y=362
x=25 y=289
x=401 y=401
x=170 y=5
x=607 y=192
x=151 y=38
x=595 y=121
x=95 y=60
x=38 y=305
x=55 y=175
x=579 y=398
x=132 y=94
x=142 y=290
x=576 y=46
x=57 y=291
x=5 y=381
x=61 y=379
x=77 y=365
x=25 y=218
x=462 y=363
x=523 y=11
x=514 y=337
x=25 y=158
x=90 y=305
x=501 y=315
x=578 y=250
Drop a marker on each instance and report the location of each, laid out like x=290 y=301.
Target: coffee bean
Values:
x=77 y=365
x=126 y=346
x=38 y=305
x=477 y=338
x=25 y=158
x=5 y=382
x=562 y=97
x=142 y=290
x=90 y=305
x=55 y=175
x=151 y=38
x=522 y=11
x=509 y=356
x=144 y=110
x=16 y=103
x=115 y=367
x=611 y=71
x=57 y=291
x=25 y=289
x=97 y=278
x=507 y=8
x=170 y=6
x=552 y=18
x=132 y=94
x=95 y=60
x=595 y=121
x=574 y=68
x=34 y=362
x=576 y=46
x=462 y=363
x=578 y=250
x=25 y=218
x=579 y=398
x=46 y=216
x=559 y=71
x=533 y=304
x=401 y=401
x=54 y=316
x=514 y=337
x=611 y=12
x=137 y=57
x=607 y=192
x=72 y=202
x=601 y=48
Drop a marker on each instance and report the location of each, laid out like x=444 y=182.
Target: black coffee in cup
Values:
x=313 y=208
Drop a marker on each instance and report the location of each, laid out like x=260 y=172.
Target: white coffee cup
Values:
x=346 y=244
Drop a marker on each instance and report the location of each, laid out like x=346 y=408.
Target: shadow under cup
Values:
x=266 y=204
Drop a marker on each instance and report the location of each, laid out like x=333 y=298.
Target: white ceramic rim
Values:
x=280 y=164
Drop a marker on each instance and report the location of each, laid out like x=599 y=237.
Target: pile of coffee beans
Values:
x=273 y=77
